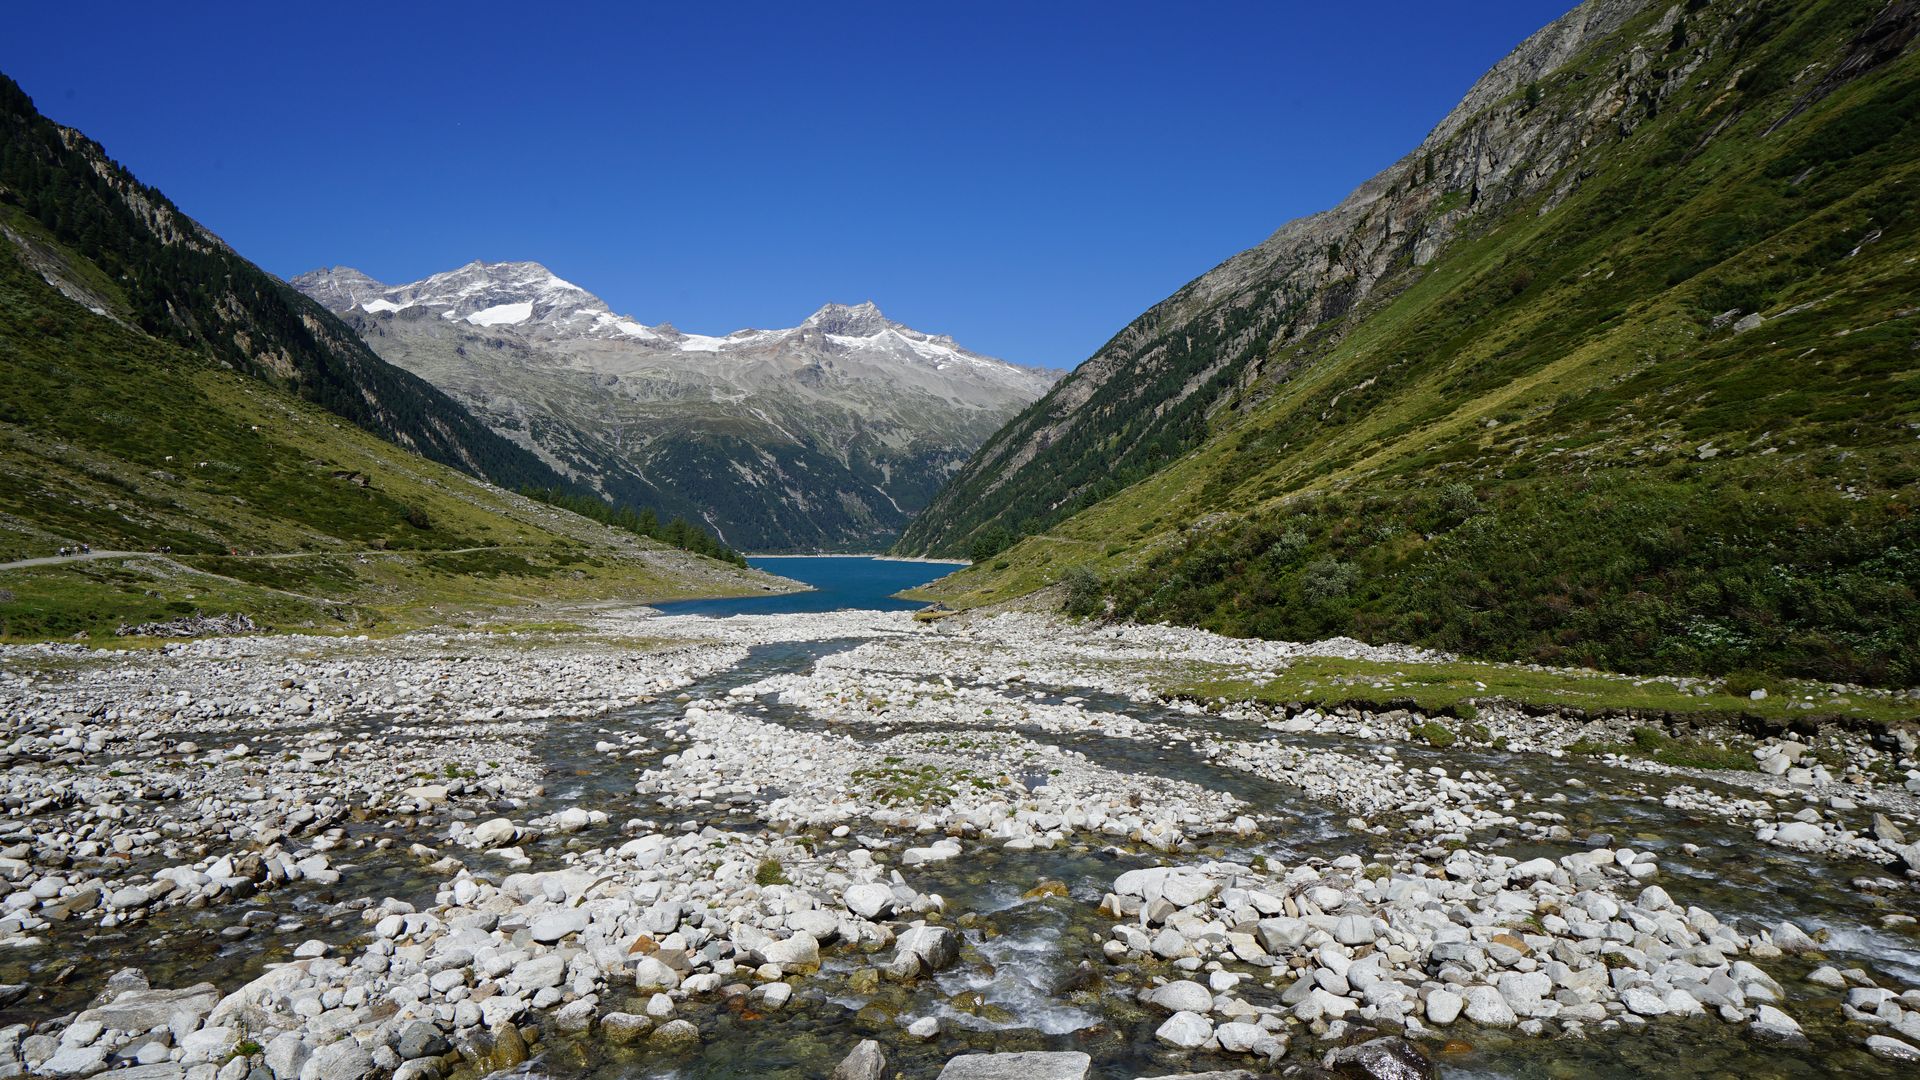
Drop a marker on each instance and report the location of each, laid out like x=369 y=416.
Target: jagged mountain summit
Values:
x=826 y=435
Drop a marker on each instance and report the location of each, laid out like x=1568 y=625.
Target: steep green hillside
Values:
x=161 y=272
x=1624 y=374
x=262 y=503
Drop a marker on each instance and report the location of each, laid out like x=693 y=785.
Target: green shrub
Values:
x=770 y=872
x=1085 y=595
x=1743 y=683
x=1286 y=550
x=1458 y=500
x=1435 y=733
x=988 y=544
x=1326 y=579
x=1734 y=577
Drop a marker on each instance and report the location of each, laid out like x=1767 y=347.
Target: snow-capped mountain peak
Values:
x=340 y=288
x=479 y=293
x=531 y=305
x=859 y=320
x=528 y=301
x=829 y=433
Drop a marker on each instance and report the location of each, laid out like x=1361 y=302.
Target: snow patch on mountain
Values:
x=699 y=343
x=502 y=314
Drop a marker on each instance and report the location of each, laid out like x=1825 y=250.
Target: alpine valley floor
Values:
x=677 y=845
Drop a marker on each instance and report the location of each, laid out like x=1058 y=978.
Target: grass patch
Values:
x=1685 y=753
x=555 y=626
x=1453 y=687
x=909 y=785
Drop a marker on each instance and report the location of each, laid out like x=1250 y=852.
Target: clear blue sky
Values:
x=1025 y=177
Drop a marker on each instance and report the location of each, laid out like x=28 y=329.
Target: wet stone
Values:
x=1024 y=1065
x=1380 y=1059
x=675 y=1036
x=866 y=1062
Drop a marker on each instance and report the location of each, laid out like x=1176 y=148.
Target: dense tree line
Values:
x=679 y=532
x=698 y=476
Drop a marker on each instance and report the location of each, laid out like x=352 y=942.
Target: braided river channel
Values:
x=741 y=838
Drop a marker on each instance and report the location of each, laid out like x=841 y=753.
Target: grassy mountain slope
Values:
x=269 y=505
x=1149 y=394
x=163 y=273
x=1646 y=399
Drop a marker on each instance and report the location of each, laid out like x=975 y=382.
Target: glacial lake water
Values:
x=839 y=582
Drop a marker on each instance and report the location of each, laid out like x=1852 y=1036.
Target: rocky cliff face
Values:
x=829 y=434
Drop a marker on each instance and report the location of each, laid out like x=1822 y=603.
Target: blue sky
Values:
x=1025 y=177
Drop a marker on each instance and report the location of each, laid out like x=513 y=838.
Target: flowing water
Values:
x=1032 y=975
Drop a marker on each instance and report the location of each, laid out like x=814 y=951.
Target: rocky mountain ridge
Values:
x=1147 y=395
x=828 y=434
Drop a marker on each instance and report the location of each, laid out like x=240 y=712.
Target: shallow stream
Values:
x=1032 y=975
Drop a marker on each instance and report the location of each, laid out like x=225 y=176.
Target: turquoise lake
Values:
x=839 y=582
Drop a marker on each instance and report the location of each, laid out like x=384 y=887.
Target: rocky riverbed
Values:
x=855 y=845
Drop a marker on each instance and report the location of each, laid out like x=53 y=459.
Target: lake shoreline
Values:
x=875 y=558
x=833 y=582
